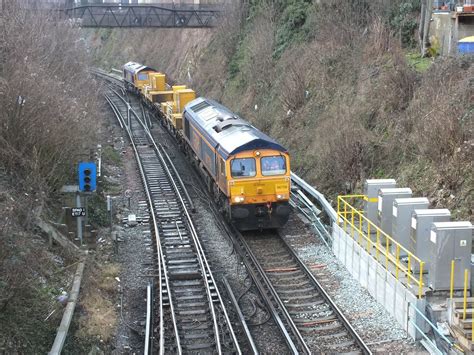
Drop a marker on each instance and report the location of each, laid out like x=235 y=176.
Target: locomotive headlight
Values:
x=239 y=199
x=280 y=197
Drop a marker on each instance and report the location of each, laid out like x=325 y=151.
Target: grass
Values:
x=419 y=63
x=111 y=156
x=100 y=318
x=109 y=272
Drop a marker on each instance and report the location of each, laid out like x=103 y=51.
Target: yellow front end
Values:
x=142 y=79
x=259 y=189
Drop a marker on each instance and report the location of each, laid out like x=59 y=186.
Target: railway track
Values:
x=313 y=318
x=188 y=308
x=308 y=319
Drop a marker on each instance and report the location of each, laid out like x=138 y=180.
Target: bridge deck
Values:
x=144 y=15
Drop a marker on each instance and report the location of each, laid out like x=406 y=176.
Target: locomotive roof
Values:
x=225 y=130
x=136 y=67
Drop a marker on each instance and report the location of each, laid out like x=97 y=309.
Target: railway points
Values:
x=187 y=292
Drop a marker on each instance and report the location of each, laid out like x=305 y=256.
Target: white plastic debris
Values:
x=132 y=220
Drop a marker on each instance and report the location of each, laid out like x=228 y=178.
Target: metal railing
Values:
x=362 y=230
x=434 y=328
x=464 y=296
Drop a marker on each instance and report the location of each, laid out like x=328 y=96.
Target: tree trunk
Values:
x=426 y=30
x=421 y=27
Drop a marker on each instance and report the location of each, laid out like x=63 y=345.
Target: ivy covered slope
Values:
x=340 y=83
x=343 y=86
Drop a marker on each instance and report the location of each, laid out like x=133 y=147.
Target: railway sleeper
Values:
x=180 y=241
x=302 y=297
x=179 y=249
x=334 y=335
x=184 y=275
x=194 y=336
x=202 y=346
x=299 y=305
x=294 y=286
x=190 y=327
x=345 y=345
x=284 y=263
x=285 y=278
x=182 y=261
x=190 y=298
x=192 y=312
x=303 y=290
x=191 y=304
x=305 y=313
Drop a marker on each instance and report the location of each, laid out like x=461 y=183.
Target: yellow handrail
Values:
x=451 y=283
x=350 y=216
x=466 y=274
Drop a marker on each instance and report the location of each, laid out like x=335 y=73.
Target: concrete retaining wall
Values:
x=396 y=298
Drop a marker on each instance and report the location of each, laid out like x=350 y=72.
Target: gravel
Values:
x=373 y=323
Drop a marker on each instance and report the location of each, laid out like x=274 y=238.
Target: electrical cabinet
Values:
x=450 y=241
x=386 y=197
x=401 y=212
x=371 y=190
x=420 y=227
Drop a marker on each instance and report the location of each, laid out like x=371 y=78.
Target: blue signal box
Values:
x=87 y=177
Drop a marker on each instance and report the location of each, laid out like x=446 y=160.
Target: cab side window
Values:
x=223 y=167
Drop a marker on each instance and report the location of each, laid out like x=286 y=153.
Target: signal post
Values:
x=87 y=176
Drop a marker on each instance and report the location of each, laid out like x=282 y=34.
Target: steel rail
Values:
x=344 y=321
x=149 y=307
x=160 y=255
x=280 y=304
x=194 y=234
x=230 y=231
x=205 y=268
x=242 y=320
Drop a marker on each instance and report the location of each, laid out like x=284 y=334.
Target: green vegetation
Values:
x=110 y=155
x=290 y=27
x=419 y=63
x=404 y=21
x=97 y=209
x=338 y=83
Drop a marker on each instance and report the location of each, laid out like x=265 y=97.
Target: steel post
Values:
x=79 y=219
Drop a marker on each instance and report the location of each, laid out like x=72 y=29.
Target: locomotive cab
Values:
x=259 y=186
x=247 y=171
x=137 y=76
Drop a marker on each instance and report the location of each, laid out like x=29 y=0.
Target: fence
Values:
x=363 y=231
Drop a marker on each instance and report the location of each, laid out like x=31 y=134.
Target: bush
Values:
x=48 y=98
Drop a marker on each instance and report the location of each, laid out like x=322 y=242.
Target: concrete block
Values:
x=400 y=305
x=363 y=270
x=390 y=290
x=381 y=284
x=372 y=277
x=355 y=261
x=336 y=241
x=414 y=317
x=348 y=253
